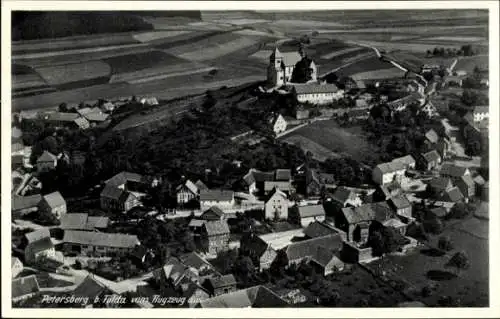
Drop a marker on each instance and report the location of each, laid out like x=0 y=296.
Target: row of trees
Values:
x=465 y=50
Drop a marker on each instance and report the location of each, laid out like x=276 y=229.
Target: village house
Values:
x=344 y=197
x=23 y=205
x=16 y=266
x=259 y=182
x=402 y=207
x=117 y=199
x=278 y=123
x=305 y=250
x=397 y=224
x=443 y=147
x=429 y=161
x=39 y=246
x=174 y=276
x=466 y=186
x=186 y=192
x=430 y=139
x=439 y=212
x=196 y=226
x=88 y=243
x=29 y=185
x=480 y=112
x=438 y=185
x=304 y=215
x=93 y=115
x=453 y=171
x=213 y=213
x=355 y=221
x=95 y=291
x=452 y=195
x=314 y=182
x=216 y=234
x=276 y=205
x=193 y=260
x=261 y=253
x=479 y=181
x=429 y=110
x=315 y=93
x=46 y=162
x=63 y=119
x=390 y=172
x=282 y=64
x=253 y=297
x=320 y=229
x=200 y=185
x=408 y=161
x=82 y=221
x=219 y=285
x=53 y=204
x=24 y=287
x=224 y=199
x=301 y=113
x=385 y=192
x=326 y=262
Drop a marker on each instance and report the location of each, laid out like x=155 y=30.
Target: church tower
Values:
x=275 y=72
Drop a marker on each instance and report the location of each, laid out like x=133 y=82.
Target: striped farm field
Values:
x=340 y=52
x=41 y=55
x=223 y=42
x=365 y=65
x=157 y=35
x=156 y=71
x=456 y=38
x=26 y=81
x=69 y=73
x=135 y=62
x=33 y=46
x=379 y=74
x=80 y=57
x=213 y=52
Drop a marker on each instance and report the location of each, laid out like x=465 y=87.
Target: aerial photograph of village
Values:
x=263 y=159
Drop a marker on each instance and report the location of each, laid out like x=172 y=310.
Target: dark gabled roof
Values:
x=322 y=255
x=255 y=175
x=23 y=202
x=37 y=235
x=253 y=242
x=115 y=193
x=282 y=185
x=405 y=160
x=54 y=199
x=24 y=286
x=254 y=297
x=432 y=156
x=200 y=185
x=213 y=210
x=453 y=195
x=343 y=194
x=97 y=222
x=439 y=211
x=190 y=186
x=453 y=170
x=431 y=136
x=222 y=281
x=319 y=229
x=390 y=167
x=367 y=212
x=90 y=288
x=61 y=116
x=74 y=221
x=311 y=210
x=307 y=248
x=124 y=177
x=46 y=157
x=194 y=260
x=41 y=244
x=467 y=179
x=440 y=183
x=283 y=175
x=100 y=239
x=400 y=202
x=216 y=227
x=218 y=195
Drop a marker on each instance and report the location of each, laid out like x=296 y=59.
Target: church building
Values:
x=282 y=65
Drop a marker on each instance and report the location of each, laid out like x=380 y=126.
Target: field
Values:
x=328 y=138
x=319 y=152
x=469 y=286
x=69 y=73
x=161 y=62
x=379 y=74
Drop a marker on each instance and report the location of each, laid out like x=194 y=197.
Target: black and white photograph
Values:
x=251 y=158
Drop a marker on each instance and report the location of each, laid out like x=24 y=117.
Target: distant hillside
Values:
x=45 y=25
x=193 y=14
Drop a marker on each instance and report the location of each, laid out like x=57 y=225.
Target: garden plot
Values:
x=319 y=152
x=69 y=73
x=69 y=43
x=157 y=35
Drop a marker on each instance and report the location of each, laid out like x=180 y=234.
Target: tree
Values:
x=459 y=261
x=385 y=240
x=63 y=107
x=433 y=225
x=279 y=263
x=460 y=211
x=445 y=243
